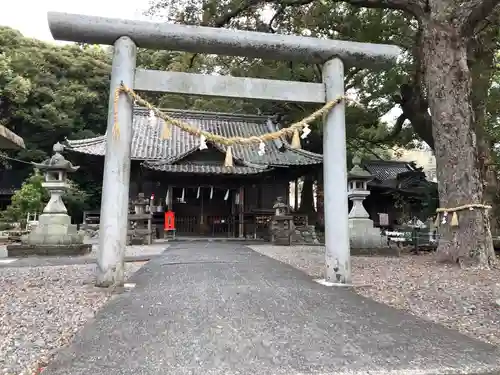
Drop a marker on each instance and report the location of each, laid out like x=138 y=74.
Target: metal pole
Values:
x=337 y=253
x=116 y=181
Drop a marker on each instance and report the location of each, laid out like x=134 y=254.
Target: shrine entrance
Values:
x=211 y=212
x=127 y=35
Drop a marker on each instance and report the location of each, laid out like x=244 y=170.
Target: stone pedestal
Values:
x=282 y=230
x=363 y=235
x=54 y=235
x=54 y=229
x=305 y=235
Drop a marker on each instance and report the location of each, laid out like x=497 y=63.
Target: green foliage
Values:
x=76 y=200
x=325 y=19
x=5 y=226
x=32 y=198
x=322 y=19
x=50 y=92
x=493 y=109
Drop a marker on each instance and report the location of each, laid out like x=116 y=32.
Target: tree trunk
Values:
x=481 y=56
x=448 y=80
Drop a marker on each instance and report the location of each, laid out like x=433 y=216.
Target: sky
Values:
x=30 y=16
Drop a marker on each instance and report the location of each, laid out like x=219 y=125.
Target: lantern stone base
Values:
x=24 y=250
x=281 y=230
x=363 y=235
x=54 y=235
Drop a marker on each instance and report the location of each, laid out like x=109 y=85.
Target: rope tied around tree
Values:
x=455 y=210
x=293 y=129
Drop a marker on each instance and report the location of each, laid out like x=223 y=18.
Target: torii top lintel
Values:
x=197 y=39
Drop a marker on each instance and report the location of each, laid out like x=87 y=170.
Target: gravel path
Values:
x=463 y=300
x=41 y=308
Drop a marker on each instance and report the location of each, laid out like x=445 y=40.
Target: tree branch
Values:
x=416 y=8
x=364 y=147
x=395 y=131
x=227 y=17
x=247 y=4
x=278 y=13
x=476 y=12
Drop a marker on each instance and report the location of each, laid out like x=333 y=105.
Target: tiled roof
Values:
x=397 y=175
x=384 y=170
x=200 y=168
x=148 y=146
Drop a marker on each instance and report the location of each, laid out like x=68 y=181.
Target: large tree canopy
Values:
x=445 y=40
x=47 y=89
x=49 y=92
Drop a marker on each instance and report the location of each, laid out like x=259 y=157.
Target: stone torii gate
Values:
x=127 y=35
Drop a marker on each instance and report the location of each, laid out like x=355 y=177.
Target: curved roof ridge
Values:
x=85 y=141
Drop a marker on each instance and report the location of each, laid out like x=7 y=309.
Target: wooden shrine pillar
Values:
x=170 y=198
x=241 y=211
x=296 y=195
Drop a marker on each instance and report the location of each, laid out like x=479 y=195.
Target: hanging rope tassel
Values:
x=454 y=220
x=116 y=131
x=116 y=127
x=296 y=139
x=166 y=131
x=228 y=162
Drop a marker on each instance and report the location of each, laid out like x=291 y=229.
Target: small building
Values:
x=208 y=198
x=399 y=189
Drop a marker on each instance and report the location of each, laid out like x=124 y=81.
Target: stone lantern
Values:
x=55 y=171
x=54 y=234
x=362 y=233
x=280 y=207
x=140 y=204
x=281 y=224
x=357 y=189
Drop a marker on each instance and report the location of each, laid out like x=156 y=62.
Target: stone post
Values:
x=116 y=181
x=337 y=253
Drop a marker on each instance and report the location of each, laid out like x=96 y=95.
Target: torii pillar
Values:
x=127 y=35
